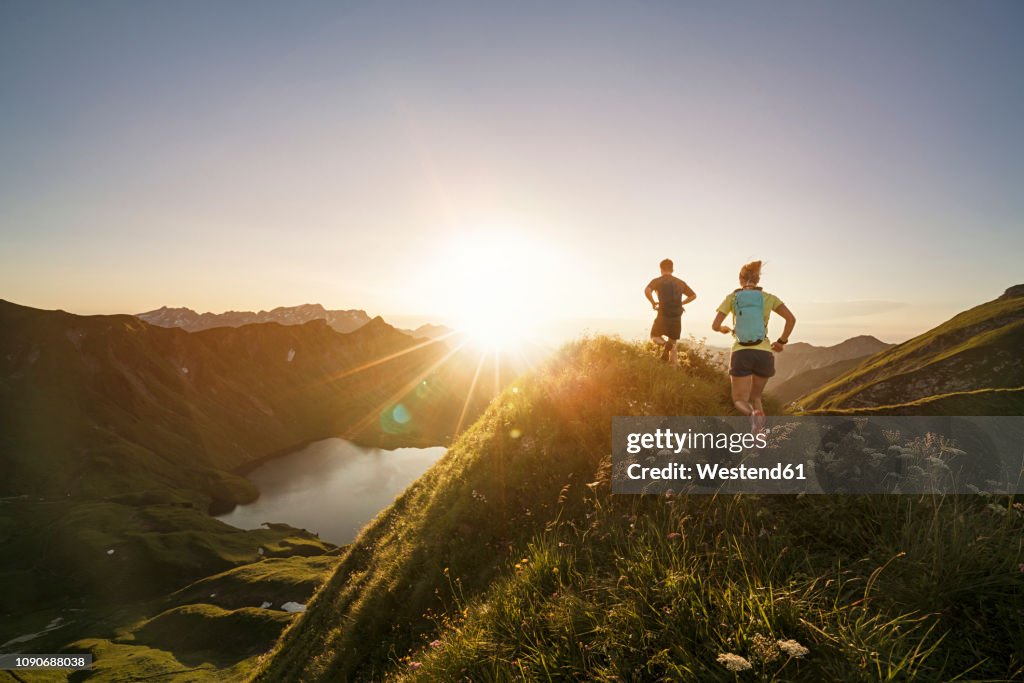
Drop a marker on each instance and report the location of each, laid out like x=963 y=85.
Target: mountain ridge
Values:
x=800 y=357
x=976 y=349
x=193 y=321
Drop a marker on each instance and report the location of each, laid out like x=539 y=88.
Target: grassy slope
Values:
x=497 y=486
x=810 y=380
x=213 y=629
x=1002 y=401
x=979 y=348
x=512 y=553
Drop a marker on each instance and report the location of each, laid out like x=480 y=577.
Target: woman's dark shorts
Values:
x=669 y=327
x=747 y=362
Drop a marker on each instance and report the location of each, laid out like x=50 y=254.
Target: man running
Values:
x=668 y=325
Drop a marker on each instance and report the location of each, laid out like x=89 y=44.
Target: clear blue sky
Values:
x=248 y=155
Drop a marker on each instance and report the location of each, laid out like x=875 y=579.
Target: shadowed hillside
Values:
x=92 y=403
x=510 y=560
x=808 y=381
x=118 y=437
x=977 y=350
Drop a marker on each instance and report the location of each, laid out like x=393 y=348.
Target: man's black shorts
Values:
x=669 y=327
x=746 y=362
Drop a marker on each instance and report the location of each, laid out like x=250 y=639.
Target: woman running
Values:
x=752 y=362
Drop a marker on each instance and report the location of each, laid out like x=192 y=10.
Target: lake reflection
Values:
x=331 y=487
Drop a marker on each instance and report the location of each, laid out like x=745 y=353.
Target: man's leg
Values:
x=756 y=389
x=741 y=393
x=673 y=329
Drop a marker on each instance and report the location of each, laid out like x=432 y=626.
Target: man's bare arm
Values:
x=690 y=294
x=649 y=293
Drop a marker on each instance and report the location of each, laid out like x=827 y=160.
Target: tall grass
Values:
x=925 y=589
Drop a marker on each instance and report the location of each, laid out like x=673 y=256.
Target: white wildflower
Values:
x=733 y=662
x=793 y=649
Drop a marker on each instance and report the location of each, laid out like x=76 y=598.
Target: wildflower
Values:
x=435 y=644
x=733 y=662
x=674 y=534
x=793 y=648
x=765 y=649
x=415 y=665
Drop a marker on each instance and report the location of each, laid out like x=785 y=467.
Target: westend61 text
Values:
x=715 y=472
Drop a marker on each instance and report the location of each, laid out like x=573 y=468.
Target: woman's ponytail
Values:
x=750 y=273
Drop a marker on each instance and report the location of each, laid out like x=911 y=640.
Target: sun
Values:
x=492 y=286
x=495 y=332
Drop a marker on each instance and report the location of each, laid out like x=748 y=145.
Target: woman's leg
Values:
x=756 y=389
x=741 y=387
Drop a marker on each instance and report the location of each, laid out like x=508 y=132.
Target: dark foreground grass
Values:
x=510 y=560
x=871 y=589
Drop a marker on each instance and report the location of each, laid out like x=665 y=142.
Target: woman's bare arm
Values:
x=717 y=325
x=790 y=319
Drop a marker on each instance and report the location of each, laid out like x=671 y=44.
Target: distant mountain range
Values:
x=971 y=364
x=800 y=357
x=343 y=321
x=188 y=319
x=431 y=331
